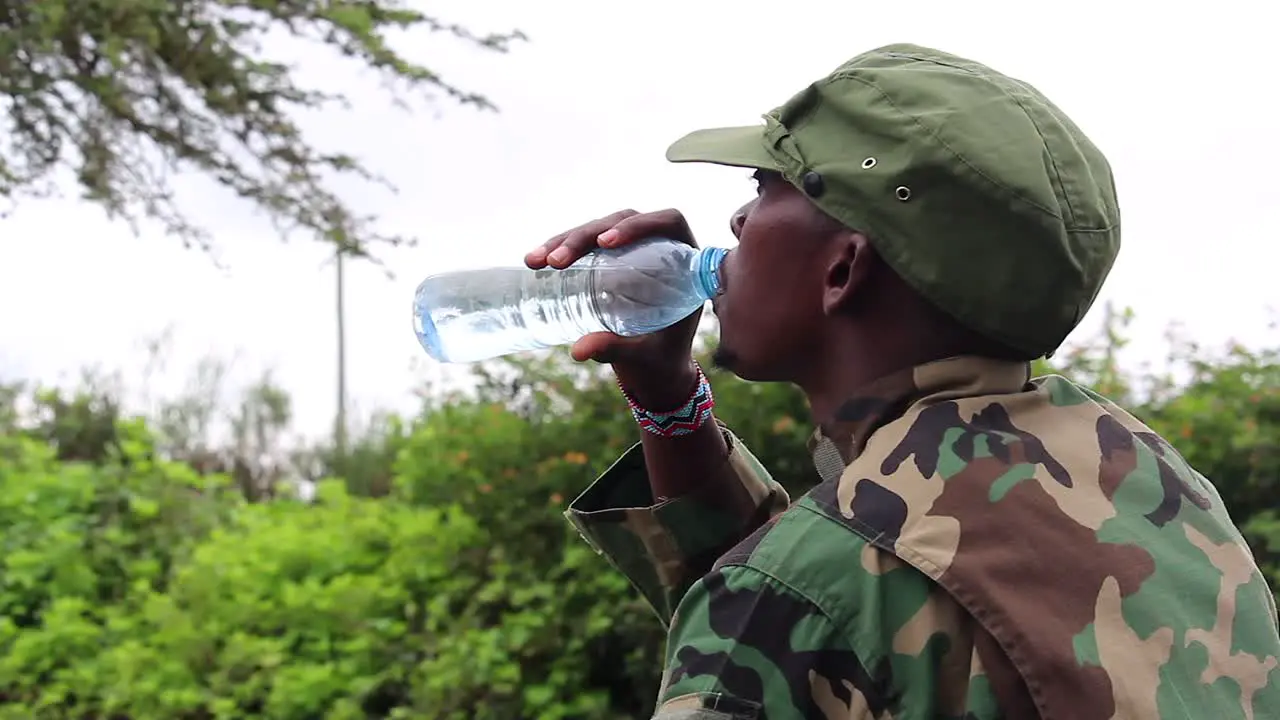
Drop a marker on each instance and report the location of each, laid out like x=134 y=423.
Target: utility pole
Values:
x=340 y=422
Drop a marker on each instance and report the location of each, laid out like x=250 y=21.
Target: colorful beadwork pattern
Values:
x=690 y=416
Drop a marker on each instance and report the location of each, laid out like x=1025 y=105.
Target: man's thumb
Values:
x=593 y=347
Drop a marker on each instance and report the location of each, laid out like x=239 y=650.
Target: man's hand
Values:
x=657 y=368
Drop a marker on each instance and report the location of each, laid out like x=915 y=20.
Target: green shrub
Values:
x=443 y=584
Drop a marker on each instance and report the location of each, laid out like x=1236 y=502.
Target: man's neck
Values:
x=853 y=361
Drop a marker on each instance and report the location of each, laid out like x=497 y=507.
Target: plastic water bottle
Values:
x=639 y=288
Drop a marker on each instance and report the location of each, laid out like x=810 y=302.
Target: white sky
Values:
x=1174 y=97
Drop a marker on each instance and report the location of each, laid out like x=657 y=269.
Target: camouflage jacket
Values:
x=981 y=545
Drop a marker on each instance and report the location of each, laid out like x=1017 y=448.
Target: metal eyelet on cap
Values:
x=903 y=192
x=868 y=163
x=813 y=184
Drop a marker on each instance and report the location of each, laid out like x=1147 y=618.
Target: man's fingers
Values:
x=575 y=245
x=565 y=249
x=593 y=347
x=668 y=223
x=616 y=230
x=536 y=258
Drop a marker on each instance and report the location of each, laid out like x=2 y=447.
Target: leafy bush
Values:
x=82 y=543
x=443 y=583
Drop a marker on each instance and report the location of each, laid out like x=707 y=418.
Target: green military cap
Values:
x=972 y=185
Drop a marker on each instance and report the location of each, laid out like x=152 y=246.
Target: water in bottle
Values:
x=639 y=288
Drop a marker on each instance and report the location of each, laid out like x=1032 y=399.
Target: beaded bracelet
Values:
x=690 y=416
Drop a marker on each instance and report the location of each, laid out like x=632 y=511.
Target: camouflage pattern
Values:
x=981 y=545
x=665 y=545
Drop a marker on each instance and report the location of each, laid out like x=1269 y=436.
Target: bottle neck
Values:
x=706 y=265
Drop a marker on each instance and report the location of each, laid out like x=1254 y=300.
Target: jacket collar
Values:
x=839 y=441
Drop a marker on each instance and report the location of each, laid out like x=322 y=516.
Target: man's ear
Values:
x=850 y=262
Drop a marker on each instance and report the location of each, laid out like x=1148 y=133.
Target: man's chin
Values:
x=724 y=359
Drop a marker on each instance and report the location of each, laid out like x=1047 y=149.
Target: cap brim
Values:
x=734 y=146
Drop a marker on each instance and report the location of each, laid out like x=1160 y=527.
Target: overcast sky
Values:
x=588 y=106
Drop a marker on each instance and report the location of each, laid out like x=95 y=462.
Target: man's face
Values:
x=770 y=311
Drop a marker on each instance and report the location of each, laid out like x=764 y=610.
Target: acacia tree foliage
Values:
x=125 y=93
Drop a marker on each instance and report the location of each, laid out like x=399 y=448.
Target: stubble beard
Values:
x=723 y=358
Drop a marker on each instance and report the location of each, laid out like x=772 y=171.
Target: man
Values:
x=982 y=544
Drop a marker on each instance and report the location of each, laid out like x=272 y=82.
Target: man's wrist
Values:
x=660 y=389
